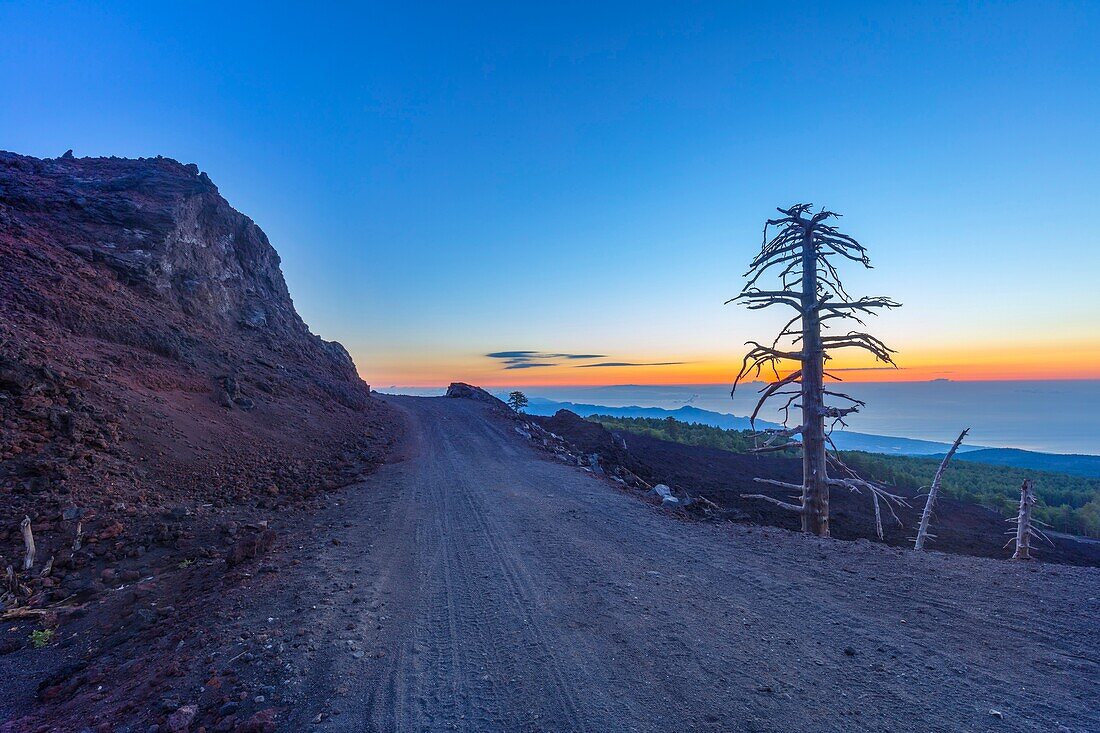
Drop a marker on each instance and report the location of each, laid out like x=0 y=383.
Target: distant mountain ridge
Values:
x=845 y=440
x=1077 y=465
x=1073 y=464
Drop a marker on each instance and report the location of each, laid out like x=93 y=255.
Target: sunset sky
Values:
x=445 y=184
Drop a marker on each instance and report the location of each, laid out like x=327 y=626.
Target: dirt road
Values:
x=477 y=586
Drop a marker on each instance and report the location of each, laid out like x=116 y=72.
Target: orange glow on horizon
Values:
x=1074 y=363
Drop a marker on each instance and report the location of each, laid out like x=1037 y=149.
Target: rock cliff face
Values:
x=192 y=268
x=150 y=353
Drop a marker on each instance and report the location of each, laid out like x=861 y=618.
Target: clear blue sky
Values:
x=443 y=182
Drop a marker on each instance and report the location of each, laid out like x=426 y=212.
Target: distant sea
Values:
x=1047 y=416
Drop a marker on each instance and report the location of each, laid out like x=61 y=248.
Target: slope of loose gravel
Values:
x=478 y=586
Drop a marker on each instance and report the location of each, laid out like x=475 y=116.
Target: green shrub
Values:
x=41 y=637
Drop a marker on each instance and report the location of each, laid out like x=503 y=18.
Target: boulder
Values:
x=463 y=391
x=661 y=491
x=668 y=499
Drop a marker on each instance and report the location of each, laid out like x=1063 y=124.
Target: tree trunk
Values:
x=1023 y=523
x=926 y=515
x=815 y=482
x=809 y=281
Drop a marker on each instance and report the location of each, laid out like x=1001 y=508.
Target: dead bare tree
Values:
x=1025 y=524
x=926 y=515
x=801 y=249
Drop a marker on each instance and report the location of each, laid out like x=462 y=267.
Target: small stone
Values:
x=180 y=721
x=849 y=651
x=260 y=722
x=997 y=714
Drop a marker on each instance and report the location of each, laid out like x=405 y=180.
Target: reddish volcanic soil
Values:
x=161 y=400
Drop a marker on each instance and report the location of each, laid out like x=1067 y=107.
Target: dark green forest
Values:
x=1067 y=503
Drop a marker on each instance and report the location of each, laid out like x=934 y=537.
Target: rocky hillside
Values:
x=721 y=477
x=152 y=365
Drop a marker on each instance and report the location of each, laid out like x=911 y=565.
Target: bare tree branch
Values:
x=777 y=502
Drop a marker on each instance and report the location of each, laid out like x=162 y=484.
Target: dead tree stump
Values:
x=1024 y=530
x=28 y=543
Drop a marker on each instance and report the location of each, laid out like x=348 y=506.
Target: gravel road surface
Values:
x=478 y=586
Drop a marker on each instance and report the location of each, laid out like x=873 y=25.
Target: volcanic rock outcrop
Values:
x=463 y=391
x=151 y=359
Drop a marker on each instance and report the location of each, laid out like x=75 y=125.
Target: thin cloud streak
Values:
x=530 y=359
x=526 y=355
x=630 y=364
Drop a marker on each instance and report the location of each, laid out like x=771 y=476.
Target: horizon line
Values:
x=487 y=385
